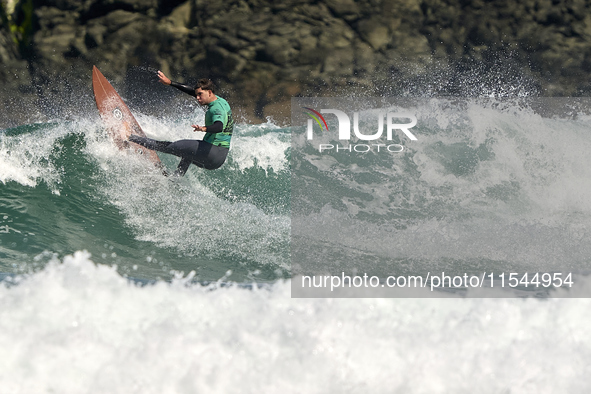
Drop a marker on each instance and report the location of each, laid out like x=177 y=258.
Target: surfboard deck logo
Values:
x=117 y=114
x=118 y=118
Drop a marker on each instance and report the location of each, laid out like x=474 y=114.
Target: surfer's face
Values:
x=204 y=97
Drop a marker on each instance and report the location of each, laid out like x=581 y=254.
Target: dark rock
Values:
x=258 y=51
x=346 y=9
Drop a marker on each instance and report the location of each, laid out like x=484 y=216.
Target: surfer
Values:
x=209 y=153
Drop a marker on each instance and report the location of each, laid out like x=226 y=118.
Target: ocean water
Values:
x=115 y=279
x=64 y=188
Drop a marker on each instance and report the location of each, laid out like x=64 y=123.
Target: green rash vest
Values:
x=219 y=110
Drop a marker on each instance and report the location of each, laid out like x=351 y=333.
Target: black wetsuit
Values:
x=201 y=153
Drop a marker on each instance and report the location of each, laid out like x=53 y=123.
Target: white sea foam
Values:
x=266 y=151
x=77 y=327
x=25 y=157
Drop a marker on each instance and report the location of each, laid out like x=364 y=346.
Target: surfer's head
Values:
x=204 y=91
x=205 y=84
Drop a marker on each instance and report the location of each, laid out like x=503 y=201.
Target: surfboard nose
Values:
x=116 y=115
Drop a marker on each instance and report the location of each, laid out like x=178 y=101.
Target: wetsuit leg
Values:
x=201 y=153
x=209 y=156
x=160 y=146
x=182 y=167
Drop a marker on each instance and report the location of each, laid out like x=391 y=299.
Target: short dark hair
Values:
x=205 y=84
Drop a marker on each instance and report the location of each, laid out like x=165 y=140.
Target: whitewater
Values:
x=79 y=327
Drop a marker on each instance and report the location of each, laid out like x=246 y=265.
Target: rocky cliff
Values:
x=261 y=53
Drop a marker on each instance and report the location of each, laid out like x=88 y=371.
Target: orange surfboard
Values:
x=117 y=117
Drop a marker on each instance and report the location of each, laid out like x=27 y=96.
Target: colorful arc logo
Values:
x=317 y=115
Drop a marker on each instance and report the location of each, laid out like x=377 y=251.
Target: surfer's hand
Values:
x=198 y=128
x=163 y=78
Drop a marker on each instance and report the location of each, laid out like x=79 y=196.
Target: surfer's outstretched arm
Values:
x=183 y=88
